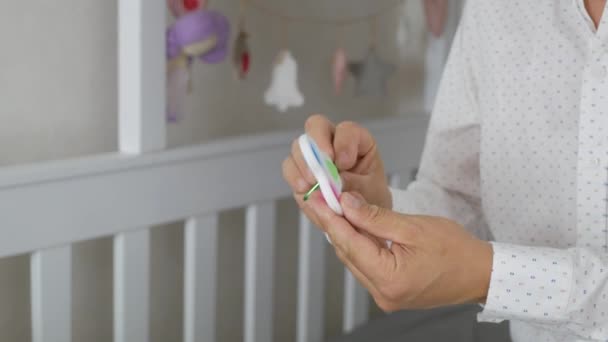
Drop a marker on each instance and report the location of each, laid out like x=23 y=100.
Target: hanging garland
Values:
x=241 y=58
x=204 y=39
x=372 y=72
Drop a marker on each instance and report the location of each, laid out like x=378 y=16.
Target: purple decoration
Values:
x=177 y=88
x=198 y=26
x=191 y=28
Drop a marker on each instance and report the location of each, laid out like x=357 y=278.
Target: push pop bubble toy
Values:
x=326 y=173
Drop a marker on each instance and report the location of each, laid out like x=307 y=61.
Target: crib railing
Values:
x=46 y=208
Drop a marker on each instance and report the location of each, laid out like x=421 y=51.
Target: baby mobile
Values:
x=201 y=35
x=197 y=34
x=371 y=74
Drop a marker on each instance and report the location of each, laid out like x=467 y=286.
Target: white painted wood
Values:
x=200 y=278
x=356 y=303
x=51 y=294
x=385 y=130
x=259 y=265
x=131 y=286
x=160 y=187
x=141 y=50
x=311 y=283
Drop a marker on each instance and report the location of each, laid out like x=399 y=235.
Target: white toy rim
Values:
x=319 y=174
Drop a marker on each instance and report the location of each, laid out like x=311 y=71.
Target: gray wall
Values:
x=58 y=99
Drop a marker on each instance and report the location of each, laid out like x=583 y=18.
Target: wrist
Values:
x=483 y=271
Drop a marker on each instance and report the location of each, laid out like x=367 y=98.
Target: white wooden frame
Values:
x=45 y=208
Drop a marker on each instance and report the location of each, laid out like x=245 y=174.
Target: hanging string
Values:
x=373 y=34
x=340 y=35
x=284 y=32
x=242 y=12
x=321 y=21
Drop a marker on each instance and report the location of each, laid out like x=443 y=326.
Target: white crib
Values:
x=45 y=208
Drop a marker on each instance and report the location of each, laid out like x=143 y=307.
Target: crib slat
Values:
x=51 y=288
x=259 y=264
x=356 y=303
x=200 y=275
x=131 y=286
x=311 y=283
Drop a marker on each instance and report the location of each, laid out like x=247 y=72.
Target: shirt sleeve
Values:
x=559 y=289
x=448 y=179
x=562 y=289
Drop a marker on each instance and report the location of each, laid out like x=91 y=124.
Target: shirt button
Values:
x=599 y=71
x=596 y=162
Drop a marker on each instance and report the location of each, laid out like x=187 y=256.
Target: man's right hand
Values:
x=354 y=152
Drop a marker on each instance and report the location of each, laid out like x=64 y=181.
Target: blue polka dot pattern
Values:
x=517 y=152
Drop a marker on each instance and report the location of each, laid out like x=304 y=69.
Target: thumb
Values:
x=378 y=221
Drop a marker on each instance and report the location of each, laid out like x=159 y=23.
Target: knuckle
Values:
x=389 y=293
x=386 y=305
x=296 y=197
x=285 y=165
x=341 y=246
x=348 y=125
x=346 y=253
x=375 y=214
x=290 y=174
x=295 y=147
x=385 y=291
x=314 y=120
x=393 y=291
x=339 y=253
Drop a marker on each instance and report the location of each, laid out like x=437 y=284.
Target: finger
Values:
x=294 y=177
x=300 y=163
x=379 y=242
x=354 y=183
x=356 y=247
x=321 y=130
x=312 y=216
x=361 y=278
x=351 y=141
x=380 y=222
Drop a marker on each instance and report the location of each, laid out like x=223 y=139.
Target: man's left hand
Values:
x=432 y=261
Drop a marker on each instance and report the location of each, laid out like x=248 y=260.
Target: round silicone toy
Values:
x=326 y=174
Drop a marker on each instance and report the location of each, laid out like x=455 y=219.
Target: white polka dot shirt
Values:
x=517 y=152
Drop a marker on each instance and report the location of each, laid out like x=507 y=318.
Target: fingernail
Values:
x=351 y=201
x=302 y=185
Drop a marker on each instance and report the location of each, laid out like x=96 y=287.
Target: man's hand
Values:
x=432 y=262
x=355 y=154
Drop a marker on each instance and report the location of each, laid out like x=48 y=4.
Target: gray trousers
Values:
x=450 y=324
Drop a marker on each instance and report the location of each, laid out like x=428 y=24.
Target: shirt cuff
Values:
x=528 y=283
